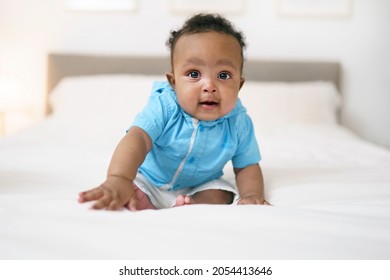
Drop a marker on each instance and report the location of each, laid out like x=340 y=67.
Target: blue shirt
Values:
x=187 y=152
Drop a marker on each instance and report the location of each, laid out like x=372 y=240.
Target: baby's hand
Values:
x=253 y=199
x=113 y=194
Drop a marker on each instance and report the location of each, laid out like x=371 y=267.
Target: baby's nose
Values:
x=209 y=86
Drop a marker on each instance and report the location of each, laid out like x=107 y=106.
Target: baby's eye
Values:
x=193 y=74
x=224 y=76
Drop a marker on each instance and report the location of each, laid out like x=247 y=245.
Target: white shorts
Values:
x=167 y=199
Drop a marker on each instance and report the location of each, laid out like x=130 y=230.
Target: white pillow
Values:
x=96 y=111
x=102 y=96
x=116 y=99
x=278 y=103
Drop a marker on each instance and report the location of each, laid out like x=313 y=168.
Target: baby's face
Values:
x=207 y=74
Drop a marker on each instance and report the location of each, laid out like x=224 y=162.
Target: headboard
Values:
x=62 y=65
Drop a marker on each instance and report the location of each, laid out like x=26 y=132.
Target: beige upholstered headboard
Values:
x=62 y=65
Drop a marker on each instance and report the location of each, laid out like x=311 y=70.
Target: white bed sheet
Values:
x=331 y=202
x=330 y=190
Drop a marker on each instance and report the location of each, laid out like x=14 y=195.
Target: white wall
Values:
x=361 y=42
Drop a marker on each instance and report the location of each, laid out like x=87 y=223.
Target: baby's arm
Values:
x=118 y=188
x=250 y=185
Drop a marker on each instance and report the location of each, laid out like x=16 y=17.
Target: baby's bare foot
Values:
x=143 y=201
x=182 y=200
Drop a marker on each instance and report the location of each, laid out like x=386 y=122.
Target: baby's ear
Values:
x=171 y=79
x=242 y=82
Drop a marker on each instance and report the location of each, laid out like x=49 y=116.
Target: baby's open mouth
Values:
x=209 y=103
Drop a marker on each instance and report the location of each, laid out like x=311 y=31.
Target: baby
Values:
x=193 y=124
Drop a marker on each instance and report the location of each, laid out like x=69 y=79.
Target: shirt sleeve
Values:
x=247 y=152
x=153 y=117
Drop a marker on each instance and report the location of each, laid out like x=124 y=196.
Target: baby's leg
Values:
x=143 y=201
x=218 y=191
x=206 y=197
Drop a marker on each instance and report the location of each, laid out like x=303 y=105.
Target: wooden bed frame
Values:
x=62 y=65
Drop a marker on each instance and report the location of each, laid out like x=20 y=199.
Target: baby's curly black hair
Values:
x=204 y=23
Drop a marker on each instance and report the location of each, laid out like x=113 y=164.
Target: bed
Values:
x=330 y=189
